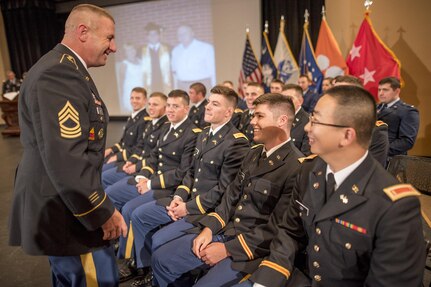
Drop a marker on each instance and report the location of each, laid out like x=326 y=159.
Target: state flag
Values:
x=287 y=67
x=328 y=54
x=308 y=63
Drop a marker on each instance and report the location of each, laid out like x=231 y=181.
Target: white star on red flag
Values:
x=367 y=76
x=354 y=52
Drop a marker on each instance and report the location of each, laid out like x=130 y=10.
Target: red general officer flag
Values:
x=370 y=59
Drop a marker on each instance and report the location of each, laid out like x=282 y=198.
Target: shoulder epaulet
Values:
x=207 y=127
x=196 y=130
x=167 y=122
x=238 y=110
x=239 y=135
x=69 y=58
x=302 y=159
x=256 y=146
x=399 y=191
x=147 y=118
x=381 y=123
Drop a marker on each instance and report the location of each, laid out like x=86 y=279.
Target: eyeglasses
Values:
x=314 y=122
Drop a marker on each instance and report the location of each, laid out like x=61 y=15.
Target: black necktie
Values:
x=383 y=107
x=167 y=134
x=330 y=185
x=262 y=159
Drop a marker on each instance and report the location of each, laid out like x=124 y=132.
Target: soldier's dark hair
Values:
x=180 y=94
x=159 y=95
x=140 y=90
x=295 y=87
x=348 y=79
x=230 y=95
x=305 y=76
x=199 y=88
x=278 y=105
x=277 y=81
x=392 y=81
x=356 y=108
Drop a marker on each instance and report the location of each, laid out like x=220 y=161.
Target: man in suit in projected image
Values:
x=192 y=60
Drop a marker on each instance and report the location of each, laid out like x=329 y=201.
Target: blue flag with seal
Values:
x=269 y=70
x=308 y=63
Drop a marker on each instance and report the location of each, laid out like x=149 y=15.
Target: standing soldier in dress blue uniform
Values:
x=402 y=118
x=359 y=225
x=60 y=208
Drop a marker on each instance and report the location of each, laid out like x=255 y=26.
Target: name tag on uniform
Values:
x=302 y=207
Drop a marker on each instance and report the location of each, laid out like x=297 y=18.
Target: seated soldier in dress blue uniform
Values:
x=261 y=188
x=358 y=225
x=219 y=152
x=133 y=159
x=132 y=130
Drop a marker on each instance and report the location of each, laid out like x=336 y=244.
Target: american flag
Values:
x=250 y=70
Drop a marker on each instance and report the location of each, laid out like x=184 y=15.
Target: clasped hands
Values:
x=210 y=253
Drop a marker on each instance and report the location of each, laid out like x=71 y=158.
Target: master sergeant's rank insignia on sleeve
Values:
x=68 y=118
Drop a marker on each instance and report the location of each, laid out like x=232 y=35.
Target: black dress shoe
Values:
x=143 y=280
x=126 y=269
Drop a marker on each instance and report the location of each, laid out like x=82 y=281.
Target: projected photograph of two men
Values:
x=163 y=45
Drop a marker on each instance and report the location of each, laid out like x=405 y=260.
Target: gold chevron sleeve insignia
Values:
x=68 y=119
x=70 y=59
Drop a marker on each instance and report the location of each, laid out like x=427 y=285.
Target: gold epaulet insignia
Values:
x=399 y=191
x=302 y=159
x=239 y=135
x=69 y=58
x=197 y=130
x=256 y=146
x=147 y=118
x=381 y=123
x=68 y=119
x=238 y=110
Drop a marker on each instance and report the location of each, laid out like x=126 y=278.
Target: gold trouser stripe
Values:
x=91 y=210
x=245 y=278
x=129 y=243
x=89 y=270
x=222 y=223
x=198 y=202
x=245 y=247
x=162 y=181
x=276 y=267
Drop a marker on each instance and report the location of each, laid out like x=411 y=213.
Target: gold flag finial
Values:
x=323 y=12
x=266 y=26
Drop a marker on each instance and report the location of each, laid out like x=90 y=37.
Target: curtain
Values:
x=293 y=12
x=31 y=30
